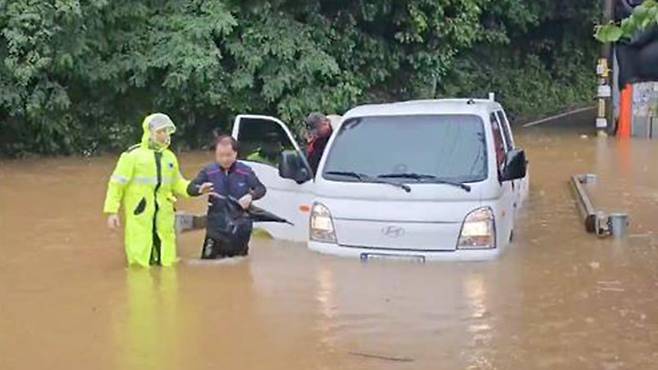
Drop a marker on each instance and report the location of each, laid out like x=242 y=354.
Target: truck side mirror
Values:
x=516 y=165
x=291 y=166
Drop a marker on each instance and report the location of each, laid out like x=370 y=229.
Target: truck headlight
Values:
x=478 y=230
x=322 y=226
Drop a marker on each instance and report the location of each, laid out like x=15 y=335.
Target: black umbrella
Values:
x=187 y=222
x=256 y=214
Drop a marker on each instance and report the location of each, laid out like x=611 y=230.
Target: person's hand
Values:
x=309 y=136
x=113 y=221
x=245 y=201
x=205 y=188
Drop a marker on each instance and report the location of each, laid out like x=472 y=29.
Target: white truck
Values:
x=417 y=180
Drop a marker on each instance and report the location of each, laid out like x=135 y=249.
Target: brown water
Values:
x=558 y=299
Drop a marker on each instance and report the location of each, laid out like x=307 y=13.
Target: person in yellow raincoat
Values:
x=145 y=182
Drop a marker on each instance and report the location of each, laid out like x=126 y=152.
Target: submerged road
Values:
x=557 y=299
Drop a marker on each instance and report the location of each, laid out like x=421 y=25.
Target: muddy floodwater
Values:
x=557 y=299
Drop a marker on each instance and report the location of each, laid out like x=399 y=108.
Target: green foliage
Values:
x=643 y=16
x=542 y=64
x=78 y=76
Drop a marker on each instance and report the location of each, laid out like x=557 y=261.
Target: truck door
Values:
x=505 y=218
x=262 y=140
x=520 y=185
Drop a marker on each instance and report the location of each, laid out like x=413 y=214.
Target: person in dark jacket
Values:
x=234 y=187
x=320 y=131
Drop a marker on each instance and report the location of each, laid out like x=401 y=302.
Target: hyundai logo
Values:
x=393 y=231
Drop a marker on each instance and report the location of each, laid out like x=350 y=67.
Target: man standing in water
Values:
x=145 y=182
x=235 y=186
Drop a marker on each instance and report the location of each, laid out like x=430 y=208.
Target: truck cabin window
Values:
x=262 y=141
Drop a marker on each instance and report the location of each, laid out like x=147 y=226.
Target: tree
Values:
x=78 y=76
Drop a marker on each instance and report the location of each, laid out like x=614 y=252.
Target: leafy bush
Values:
x=79 y=76
x=643 y=16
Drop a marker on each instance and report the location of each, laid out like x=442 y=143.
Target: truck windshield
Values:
x=430 y=148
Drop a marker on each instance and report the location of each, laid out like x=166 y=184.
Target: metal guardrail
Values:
x=584 y=203
x=597 y=222
x=558 y=116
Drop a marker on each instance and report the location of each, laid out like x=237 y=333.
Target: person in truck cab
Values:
x=319 y=129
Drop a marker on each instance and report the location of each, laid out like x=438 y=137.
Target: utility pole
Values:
x=608 y=16
x=604 y=117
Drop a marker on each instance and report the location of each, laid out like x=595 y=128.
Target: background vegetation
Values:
x=644 y=16
x=77 y=76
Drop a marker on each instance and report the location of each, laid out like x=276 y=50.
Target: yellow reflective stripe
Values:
x=119 y=179
x=167 y=180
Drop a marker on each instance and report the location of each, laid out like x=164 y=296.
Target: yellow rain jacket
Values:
x=145 y=181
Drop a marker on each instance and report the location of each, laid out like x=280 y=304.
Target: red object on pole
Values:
x=625 y=112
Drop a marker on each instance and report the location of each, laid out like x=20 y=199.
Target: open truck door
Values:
x=269 y=148
x=521 y=186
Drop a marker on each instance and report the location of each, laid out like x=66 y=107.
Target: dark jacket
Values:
x=314 y=151
x=226 y=221
x=237 y=182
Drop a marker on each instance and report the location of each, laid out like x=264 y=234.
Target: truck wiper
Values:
x=365 y=178
x=426 y=178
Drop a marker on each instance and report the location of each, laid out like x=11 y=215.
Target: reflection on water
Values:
x=475 y=293
x=325 y=296
x=558 y=299
x=479 y=326
x=147 y=323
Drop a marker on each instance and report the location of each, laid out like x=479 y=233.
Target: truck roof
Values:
x=421 y=107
